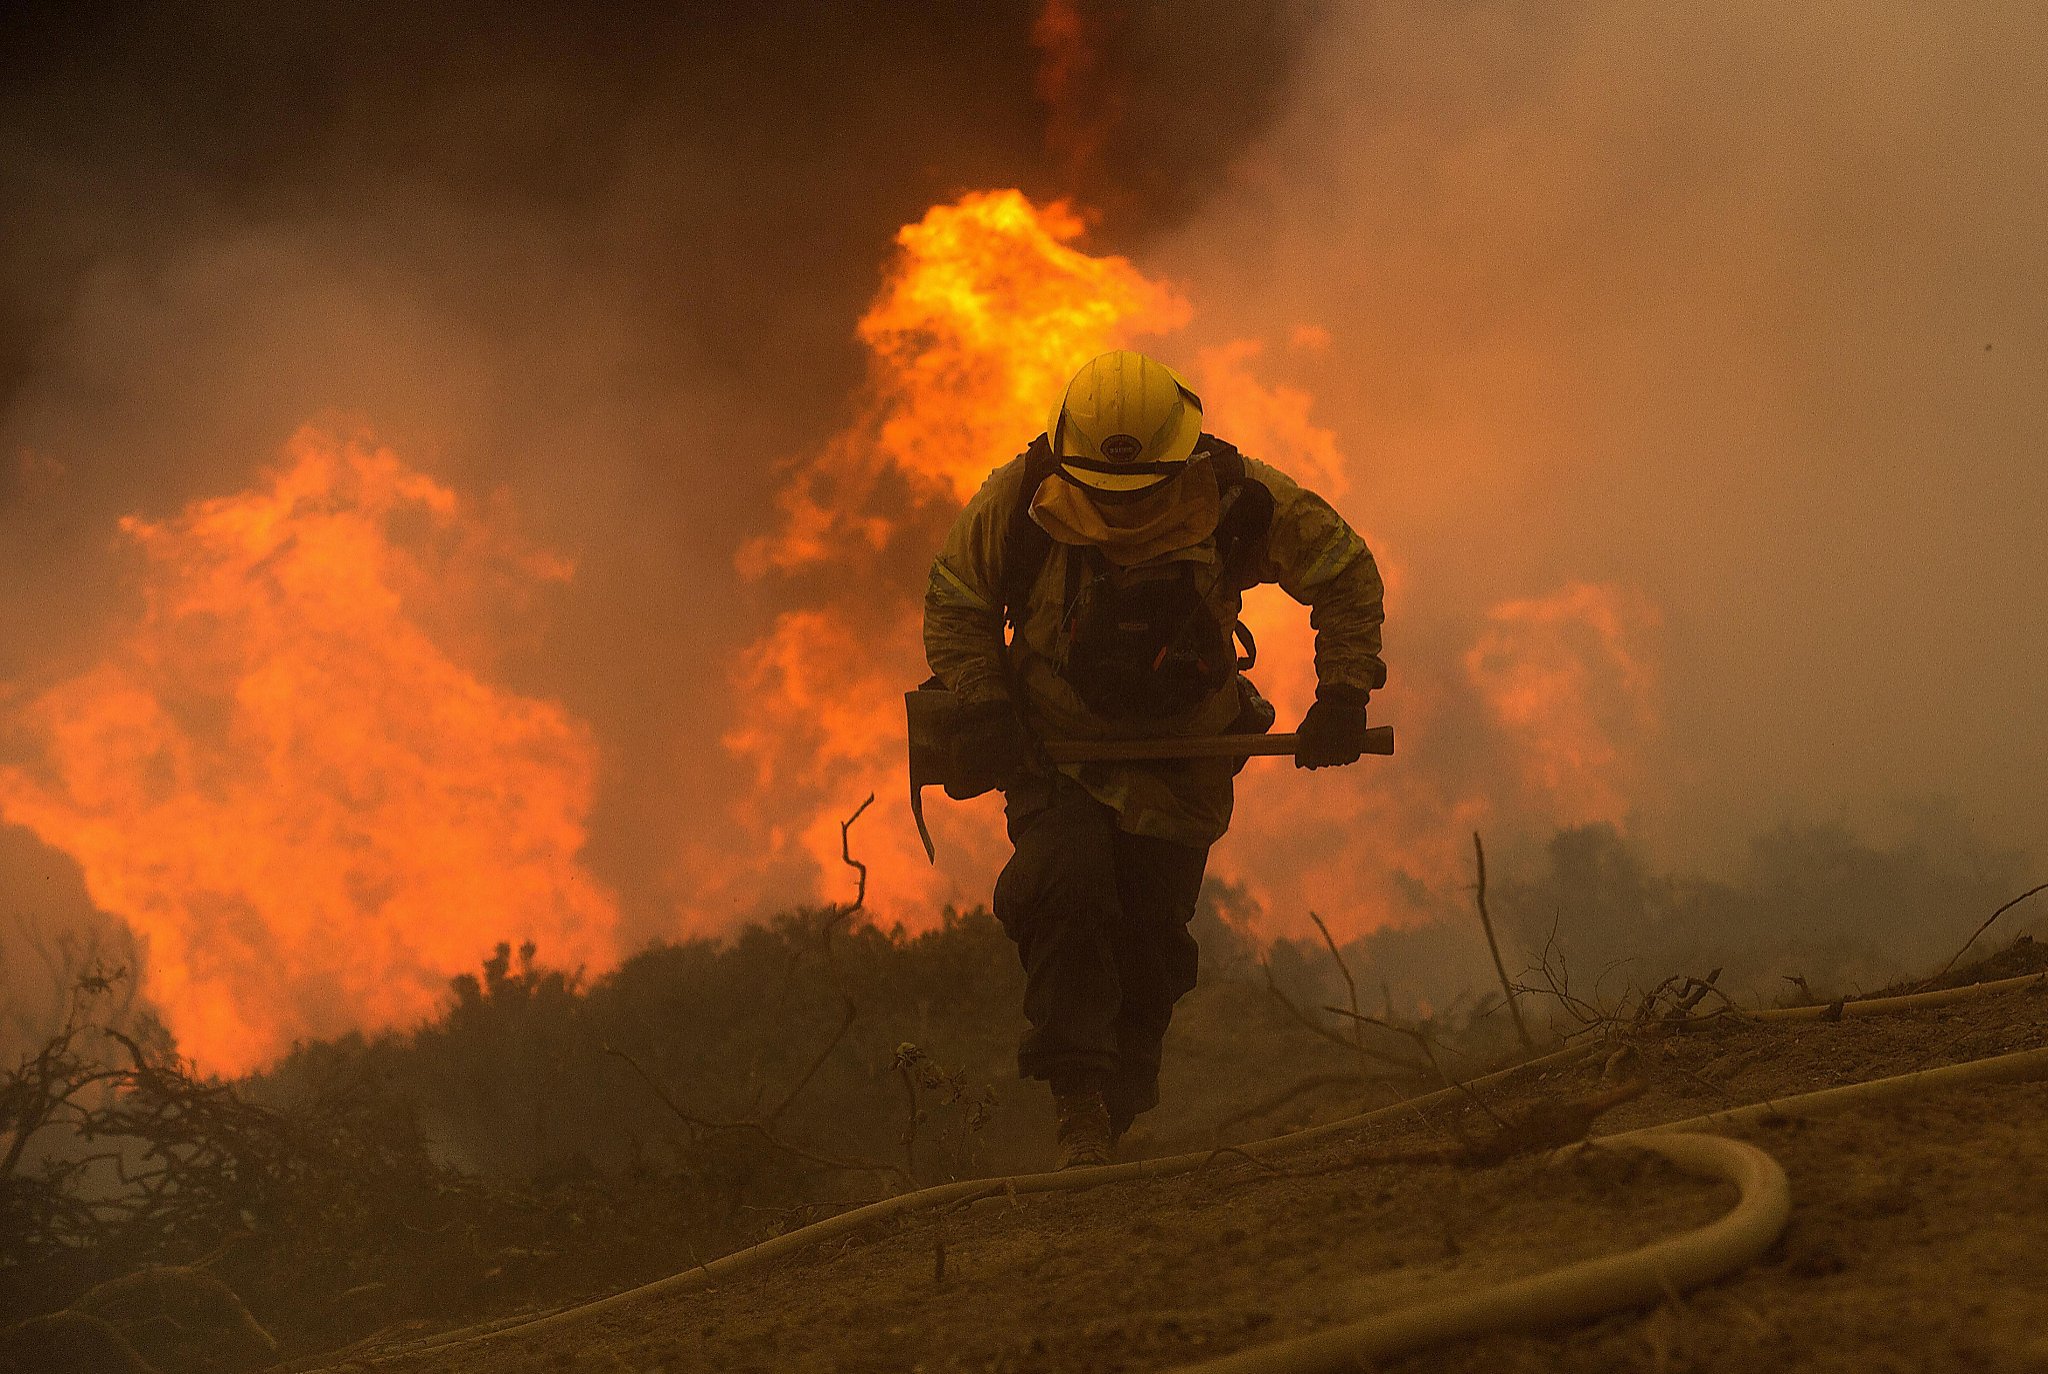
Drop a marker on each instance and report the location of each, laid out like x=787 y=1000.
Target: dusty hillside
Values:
x=1919 y=1238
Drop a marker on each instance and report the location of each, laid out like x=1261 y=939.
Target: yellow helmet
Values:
x=1125 y=424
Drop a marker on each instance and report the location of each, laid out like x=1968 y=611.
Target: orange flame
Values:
x=985 y=313
x=292 y=777
x=311 y=811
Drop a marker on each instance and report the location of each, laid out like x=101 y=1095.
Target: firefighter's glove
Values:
x=1333 y=731
x=990 y=747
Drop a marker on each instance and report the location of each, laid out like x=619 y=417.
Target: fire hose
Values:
x=1559 y=1297
x=1635 y=1278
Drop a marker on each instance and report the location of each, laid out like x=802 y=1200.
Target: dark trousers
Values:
x=1100 y=919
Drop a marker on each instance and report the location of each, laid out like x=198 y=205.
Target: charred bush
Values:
x=543 y=1139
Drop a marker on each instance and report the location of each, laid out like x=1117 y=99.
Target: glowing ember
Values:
x=313 y=813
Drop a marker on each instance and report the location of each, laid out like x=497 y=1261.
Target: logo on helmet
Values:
x=1121 y=448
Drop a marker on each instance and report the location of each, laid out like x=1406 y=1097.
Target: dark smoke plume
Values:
x=604 y=260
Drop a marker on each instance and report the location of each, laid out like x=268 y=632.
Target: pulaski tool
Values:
x=934 y=714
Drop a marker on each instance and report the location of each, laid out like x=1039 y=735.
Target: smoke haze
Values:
x=1740 y=306
x=1687 y=369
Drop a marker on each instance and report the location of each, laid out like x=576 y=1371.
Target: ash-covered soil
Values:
x=1919 y=1237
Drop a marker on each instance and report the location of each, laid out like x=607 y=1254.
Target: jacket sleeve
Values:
x=963 y=619
x=1321 y=562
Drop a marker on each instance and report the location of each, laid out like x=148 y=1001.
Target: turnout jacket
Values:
x=1307 y=548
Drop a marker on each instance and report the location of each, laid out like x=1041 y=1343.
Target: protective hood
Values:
x=1179 y=516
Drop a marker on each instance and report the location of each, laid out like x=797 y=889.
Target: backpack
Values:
x=1141 y=643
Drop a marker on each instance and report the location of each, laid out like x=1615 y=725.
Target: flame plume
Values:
x=294 y=778
x=986 y=311
x=312 y=812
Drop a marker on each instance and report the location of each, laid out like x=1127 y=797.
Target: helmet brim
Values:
x=1173 y=452
x=1119 y=482
x=1162 y=453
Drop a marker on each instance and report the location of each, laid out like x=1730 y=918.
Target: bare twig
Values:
x=1350 y=983
x=841 y=914
x=1423 y=1042
x=1648 y=1006
x=1309 y=1024
x=1557 y=984
x=755 y=1128
x=846 y=1020
x=1493 y=945
x=835 y=916
x=1266 y=1106
x=860 y=896
x=1696 y=990
x=907 y=1057
x=2042 y=887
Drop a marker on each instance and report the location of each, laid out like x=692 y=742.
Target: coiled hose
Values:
x=1595 y=1287
x=1575 y=1292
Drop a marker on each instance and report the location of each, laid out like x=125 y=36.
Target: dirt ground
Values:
x=1919 y=1239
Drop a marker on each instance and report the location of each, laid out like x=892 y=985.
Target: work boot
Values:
x=1082 y=1129
x=1120 y=1119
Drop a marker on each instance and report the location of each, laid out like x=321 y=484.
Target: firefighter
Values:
x=1091 y=590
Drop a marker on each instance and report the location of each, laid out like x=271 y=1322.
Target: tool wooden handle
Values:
x=1378 y=740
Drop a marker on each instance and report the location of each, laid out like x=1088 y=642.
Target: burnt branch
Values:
x=848 y=1015
x=860 y=895
x=759 y=1130
x=1350 y=983
x=1493 y=945
x=1313 y=1027
x=1555 y=972
x=1273 y=1102
x=1979 y=932
x=1424 y=1043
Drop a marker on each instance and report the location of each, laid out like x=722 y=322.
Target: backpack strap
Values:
x=1026 y=545
x=1247 y=511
